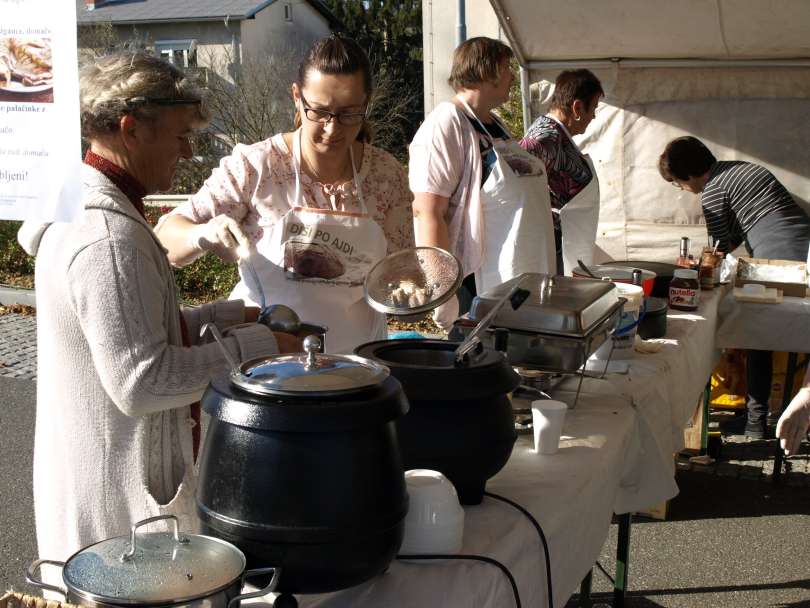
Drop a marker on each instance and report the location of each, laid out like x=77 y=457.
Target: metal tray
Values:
x=560 y=305
x=550 y=351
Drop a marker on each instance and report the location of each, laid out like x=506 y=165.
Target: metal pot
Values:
x=155 y=569
x=301 y=467
x=663 y=274
x=460 y=420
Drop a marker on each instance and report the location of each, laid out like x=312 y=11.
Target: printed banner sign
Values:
x=40 y=141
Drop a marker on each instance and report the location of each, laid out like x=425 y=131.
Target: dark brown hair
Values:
x=573 y=85
x=337 y=55
x=477 y=60
x=685 y=157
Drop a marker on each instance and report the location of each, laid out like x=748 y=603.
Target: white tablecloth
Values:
x=664 y=388
x=571 y=494
x=617 y=456
x=779 y=327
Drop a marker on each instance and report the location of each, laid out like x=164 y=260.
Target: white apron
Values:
x=315 y=261
x=517 y=224
x=579 y=219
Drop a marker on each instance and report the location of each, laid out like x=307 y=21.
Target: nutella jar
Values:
x=684 y=290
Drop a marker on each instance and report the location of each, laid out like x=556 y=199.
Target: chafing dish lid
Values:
x=556 y=304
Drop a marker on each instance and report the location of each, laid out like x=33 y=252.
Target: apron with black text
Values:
x=315 y=261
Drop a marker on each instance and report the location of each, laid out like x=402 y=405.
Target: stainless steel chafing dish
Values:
x=560 y=324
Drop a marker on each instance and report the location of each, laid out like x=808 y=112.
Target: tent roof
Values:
x=550 y=30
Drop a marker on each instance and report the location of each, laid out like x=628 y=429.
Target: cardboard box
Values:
x=798 y=290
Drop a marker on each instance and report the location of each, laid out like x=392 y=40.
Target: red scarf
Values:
x=135 y=192
x=127 y=184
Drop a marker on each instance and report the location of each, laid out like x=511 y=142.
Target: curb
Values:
x=17 y=295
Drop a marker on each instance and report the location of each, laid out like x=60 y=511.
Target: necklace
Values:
x=342 y=176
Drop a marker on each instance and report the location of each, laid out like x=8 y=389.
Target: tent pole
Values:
x=525 y=98
x=461 y=21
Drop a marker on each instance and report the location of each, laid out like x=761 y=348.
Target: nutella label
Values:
x=683 y=297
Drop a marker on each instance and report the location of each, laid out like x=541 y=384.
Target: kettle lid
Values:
x=309 y=373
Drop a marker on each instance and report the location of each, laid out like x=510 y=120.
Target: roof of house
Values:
x=126 y=12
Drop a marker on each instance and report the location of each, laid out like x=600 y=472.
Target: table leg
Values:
x=704 y=425
x=622 y=560
x=585 y=590
x=787 y=389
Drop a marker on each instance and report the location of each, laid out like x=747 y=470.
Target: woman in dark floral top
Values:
x=573 y=107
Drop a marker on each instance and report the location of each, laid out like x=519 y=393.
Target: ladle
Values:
x=279 y=317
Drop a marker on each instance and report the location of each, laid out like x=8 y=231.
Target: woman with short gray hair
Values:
x=116 y=433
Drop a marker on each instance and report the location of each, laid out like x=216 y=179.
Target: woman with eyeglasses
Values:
x=121 y=371
x=313 y=209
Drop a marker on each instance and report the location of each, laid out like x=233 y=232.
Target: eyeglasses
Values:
x=347 y=119
x=142 y=100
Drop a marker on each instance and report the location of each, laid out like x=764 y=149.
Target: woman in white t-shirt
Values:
x=476 y=192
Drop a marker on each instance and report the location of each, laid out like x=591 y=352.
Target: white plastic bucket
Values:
x=624 y=335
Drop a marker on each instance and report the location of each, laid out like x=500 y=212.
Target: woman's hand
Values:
x=445 y=314
x=288 y=343
x=221 y=235
x=794 y=422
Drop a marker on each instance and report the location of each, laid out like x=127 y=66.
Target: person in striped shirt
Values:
x=744 y=204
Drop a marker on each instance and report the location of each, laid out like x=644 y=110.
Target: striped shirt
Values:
x=737 y=195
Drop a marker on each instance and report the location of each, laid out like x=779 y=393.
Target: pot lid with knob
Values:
x=154 y=568
x=310 y=373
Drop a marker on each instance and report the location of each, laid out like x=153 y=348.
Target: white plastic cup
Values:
x=548 y=417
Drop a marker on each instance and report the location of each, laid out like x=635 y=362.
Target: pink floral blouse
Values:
x=255 y=186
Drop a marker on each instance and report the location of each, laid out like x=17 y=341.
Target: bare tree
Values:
x=256 y=101
x=390 y=109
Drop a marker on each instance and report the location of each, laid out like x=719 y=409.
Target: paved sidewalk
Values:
x=18 y=346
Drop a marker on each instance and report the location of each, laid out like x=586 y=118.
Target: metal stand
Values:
x=704 y=427
x=585 y=590
x=622 y=560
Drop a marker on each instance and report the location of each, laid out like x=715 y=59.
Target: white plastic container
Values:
x=624 y=335
x=548 y=417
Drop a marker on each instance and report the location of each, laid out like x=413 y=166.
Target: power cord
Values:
x=477 y=558
x=540 y=533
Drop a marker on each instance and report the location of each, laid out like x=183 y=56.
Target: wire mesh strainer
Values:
x=412 y=281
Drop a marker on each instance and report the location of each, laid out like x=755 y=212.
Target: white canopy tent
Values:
x=734 y=73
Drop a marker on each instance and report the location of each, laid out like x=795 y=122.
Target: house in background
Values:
x=212 y=34
x=245 y=51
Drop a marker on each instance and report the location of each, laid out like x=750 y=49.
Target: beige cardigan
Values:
x=113 y=429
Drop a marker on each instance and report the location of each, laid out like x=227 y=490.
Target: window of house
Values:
x=288 y=11
x=182 y=53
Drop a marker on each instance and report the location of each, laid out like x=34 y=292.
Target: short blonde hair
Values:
x=477 y=60
x=126 y=83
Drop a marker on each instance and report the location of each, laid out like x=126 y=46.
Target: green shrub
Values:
x=16 y=266
x=207 y=279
